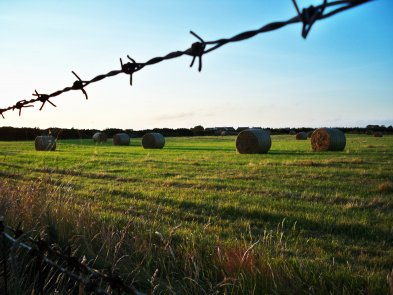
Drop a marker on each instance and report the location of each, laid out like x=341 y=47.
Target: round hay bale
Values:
x=121 y=139
x=153 y=141
x=328 y=139
x=99 y=137
x=301 y=136
x=309 y=133
x=253 y=141
x=377 y=134
x=45 y=143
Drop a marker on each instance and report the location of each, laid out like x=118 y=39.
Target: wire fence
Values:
x=49 y=266
x=307 y=16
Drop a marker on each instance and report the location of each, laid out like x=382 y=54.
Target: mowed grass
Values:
x=324 y=217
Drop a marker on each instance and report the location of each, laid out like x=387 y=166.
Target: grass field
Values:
x=198 y=218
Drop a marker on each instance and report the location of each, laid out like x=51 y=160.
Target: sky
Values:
x=340 y=76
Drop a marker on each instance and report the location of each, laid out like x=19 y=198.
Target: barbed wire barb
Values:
x=307 y=16
x=79 y=85
x=43 y=98
x=20 y=105
x=131 y=67
x=197 y=50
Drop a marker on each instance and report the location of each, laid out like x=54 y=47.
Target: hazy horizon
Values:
x=217 y=126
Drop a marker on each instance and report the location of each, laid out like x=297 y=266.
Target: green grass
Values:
x=322 y=221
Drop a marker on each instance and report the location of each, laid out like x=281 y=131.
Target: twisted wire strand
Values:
x=42 y=249
x=308 y=16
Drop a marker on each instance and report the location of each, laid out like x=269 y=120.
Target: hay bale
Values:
x=377 y=134
x=153 y=140
x=301 y=136
x=253 y=141
x=328 y=139
x=99 y=137
x=121 y=139
x=309 y=133
x=45 y=143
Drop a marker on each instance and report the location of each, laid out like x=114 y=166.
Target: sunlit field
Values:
x=196 y=217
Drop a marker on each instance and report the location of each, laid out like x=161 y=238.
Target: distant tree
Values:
x=198 y=130
x=112 y=131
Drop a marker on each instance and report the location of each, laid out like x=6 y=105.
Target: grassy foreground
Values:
x=198 y=218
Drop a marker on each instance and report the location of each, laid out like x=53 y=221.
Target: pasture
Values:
x=196 y=217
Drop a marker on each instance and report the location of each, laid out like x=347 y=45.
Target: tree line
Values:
x=25 y=133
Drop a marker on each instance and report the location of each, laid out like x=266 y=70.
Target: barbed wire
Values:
x=308 y=16
x=76 y=269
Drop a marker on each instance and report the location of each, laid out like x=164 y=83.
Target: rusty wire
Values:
x=308 y=16
x=75 y=269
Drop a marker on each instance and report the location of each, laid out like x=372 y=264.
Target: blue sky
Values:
x=342 y=75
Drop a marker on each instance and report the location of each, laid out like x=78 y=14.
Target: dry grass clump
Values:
x=386 y=187
x=51 y=213
x=346 y=161
x=36 y=203
x=389 y=280
x=45 y=143
x=305 y=163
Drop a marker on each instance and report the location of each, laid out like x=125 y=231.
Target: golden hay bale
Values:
x=377 y=134
x=153 y=140
x=121 y=139
x=328 y=139
x=253 y=141
x=301 y=136
x=45 y=143
x=99 y=137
